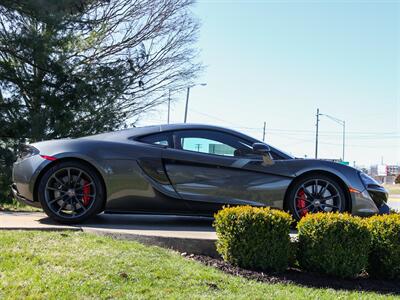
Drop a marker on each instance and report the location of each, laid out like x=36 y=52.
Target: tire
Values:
x=316 y=193
x=71 y=192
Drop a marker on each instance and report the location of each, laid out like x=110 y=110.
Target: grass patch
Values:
x=17 y=206
x=75 y=265
x=393 y=189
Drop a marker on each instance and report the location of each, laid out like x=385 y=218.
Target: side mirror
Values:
x=265 y=151
x=261 y=148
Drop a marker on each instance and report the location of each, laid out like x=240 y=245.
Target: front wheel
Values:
x=71 y=192
x=316 y=193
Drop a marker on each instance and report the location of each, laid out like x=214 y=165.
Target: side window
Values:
x=161 y=139
x=206 y=146
x=211 y=142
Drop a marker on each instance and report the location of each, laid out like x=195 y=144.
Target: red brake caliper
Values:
x=301 y=202
x=86 y=193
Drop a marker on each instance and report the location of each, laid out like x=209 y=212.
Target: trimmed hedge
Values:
x=254 y=238
x=384 y=258
x=333 y=243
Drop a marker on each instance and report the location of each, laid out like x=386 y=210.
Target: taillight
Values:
x=46 y=157
x=26 y=151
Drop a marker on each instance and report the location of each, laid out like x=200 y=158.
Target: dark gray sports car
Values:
x=183 y=169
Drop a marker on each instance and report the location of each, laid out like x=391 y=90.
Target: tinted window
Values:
x=206 y=146
x=156 y=139
x=211 y=142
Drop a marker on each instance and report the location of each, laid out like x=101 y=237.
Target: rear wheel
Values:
x=71 y=192
x=316 y=193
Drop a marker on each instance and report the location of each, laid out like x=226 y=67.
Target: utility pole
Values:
x=265 y=124
x=169 y=103
x=316 y=135
x=344 y=138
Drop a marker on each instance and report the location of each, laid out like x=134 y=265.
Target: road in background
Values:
x=394 y=202
x=394 y=195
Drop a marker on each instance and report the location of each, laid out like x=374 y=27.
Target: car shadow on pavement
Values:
x=144 y=222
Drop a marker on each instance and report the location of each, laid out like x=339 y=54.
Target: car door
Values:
x=212 y=168
x=164 y=198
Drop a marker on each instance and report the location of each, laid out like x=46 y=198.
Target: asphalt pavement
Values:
x=182 y=233
x=394 y=202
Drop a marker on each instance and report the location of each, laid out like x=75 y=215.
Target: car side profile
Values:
x=186 y=169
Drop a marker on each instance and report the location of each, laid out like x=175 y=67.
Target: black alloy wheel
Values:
x=315 y=194
x=71 y=192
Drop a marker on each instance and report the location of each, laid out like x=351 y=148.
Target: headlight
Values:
x=368 y=180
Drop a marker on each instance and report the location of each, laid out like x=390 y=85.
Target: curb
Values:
x=181 y=239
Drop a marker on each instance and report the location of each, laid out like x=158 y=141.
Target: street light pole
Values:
x=316 y=134
x=187 y=103
x=265 y=125
x=343 y=123
x=187 y=98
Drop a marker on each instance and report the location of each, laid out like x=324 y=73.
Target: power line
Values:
x=366 y=135
x=325 y=143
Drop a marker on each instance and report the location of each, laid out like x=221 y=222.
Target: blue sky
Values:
x=278 y=61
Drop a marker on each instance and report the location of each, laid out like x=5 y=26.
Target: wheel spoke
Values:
x=307 y=193
x=61 y=207
x=329 y=197
x=316 y=186
x=330 y=205
x=321 y=193
x=81 y=203
x=304 y=208
x=55 y=189
x=56 y=199
x=59 y=181
x=77 y=179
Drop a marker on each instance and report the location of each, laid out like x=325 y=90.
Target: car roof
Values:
x=124 y=134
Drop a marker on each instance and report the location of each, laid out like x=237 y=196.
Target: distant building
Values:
x=385 y=173
x=393 y=170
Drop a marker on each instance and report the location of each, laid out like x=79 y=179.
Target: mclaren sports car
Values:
x=183 y=169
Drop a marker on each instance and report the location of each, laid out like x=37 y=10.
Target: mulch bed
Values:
x=307 y=279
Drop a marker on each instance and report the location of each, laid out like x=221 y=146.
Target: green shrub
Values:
x=255 y=238
x=384 y=258
x=333 y=244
